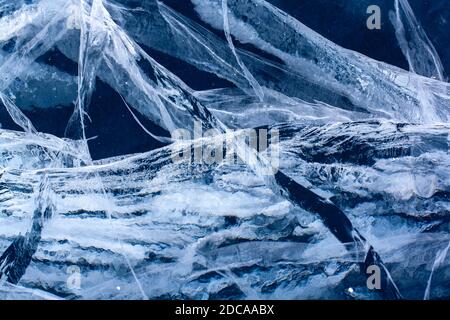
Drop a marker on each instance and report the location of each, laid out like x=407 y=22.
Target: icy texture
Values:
x=419 y=51
x=364 y=165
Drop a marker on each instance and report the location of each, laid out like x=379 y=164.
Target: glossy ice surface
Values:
x=92 y=205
